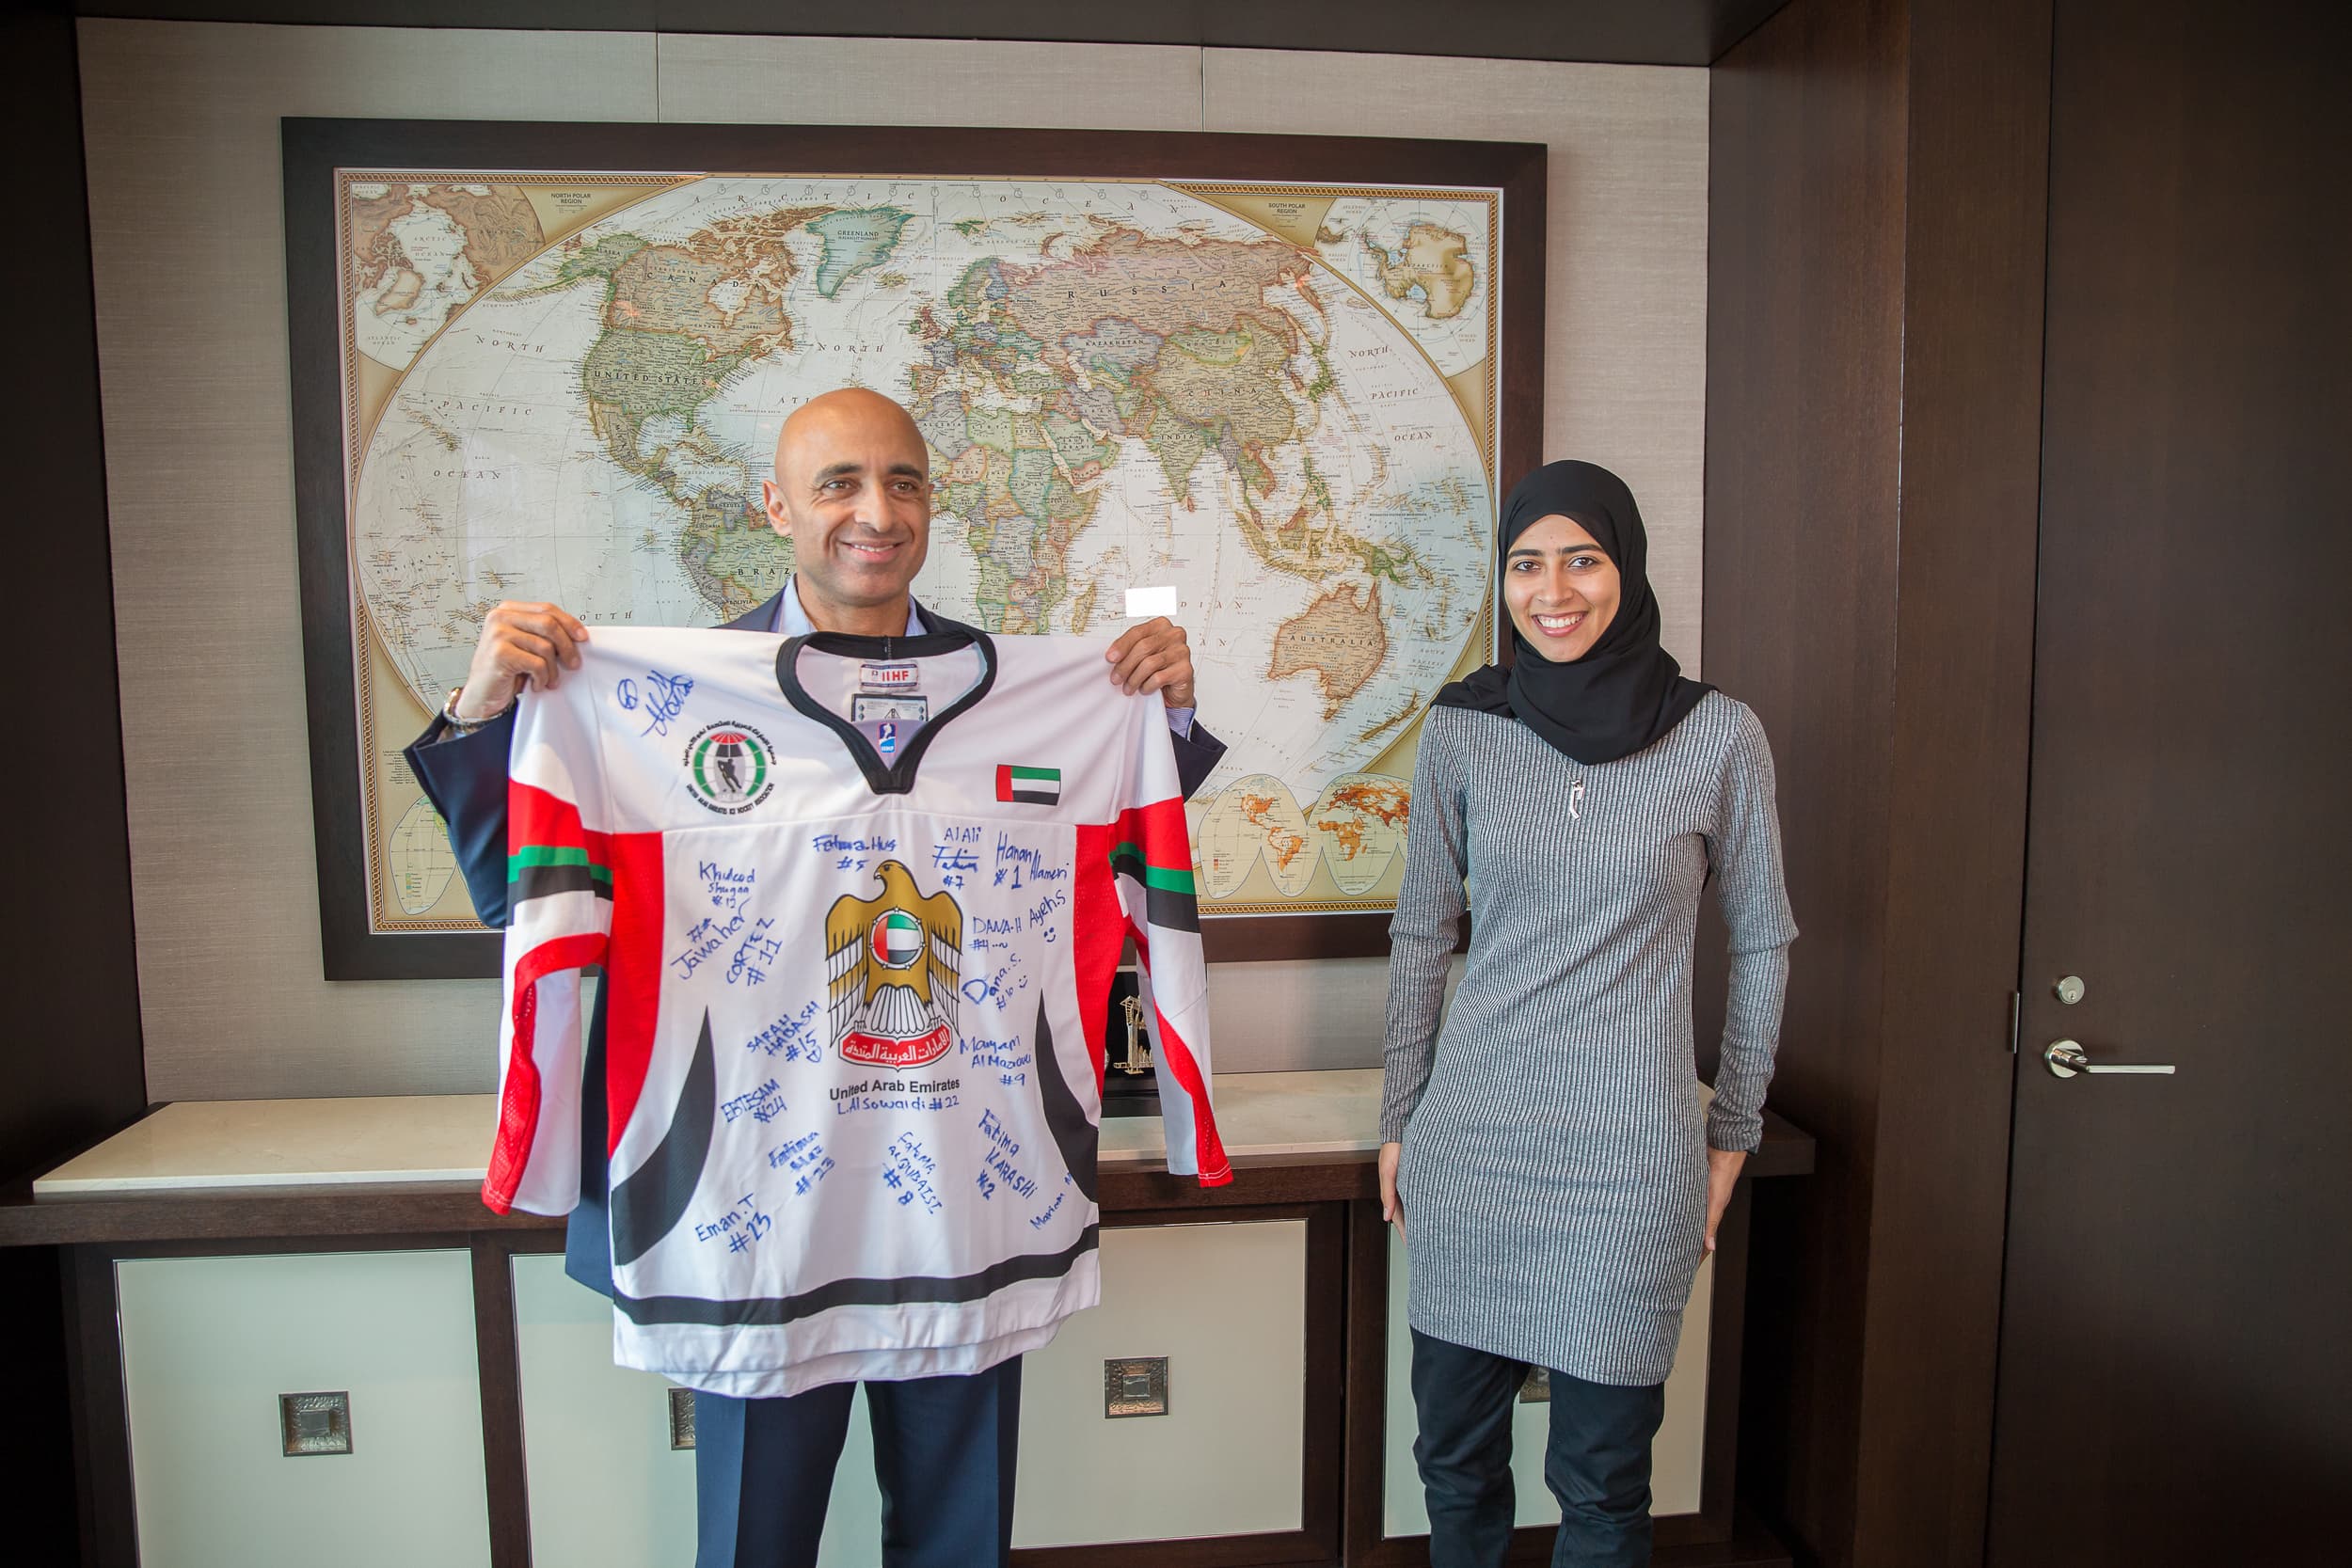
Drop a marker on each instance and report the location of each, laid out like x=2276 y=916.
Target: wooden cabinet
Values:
x=489 y=1426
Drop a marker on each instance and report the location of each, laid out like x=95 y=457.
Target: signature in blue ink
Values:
x=663 y=700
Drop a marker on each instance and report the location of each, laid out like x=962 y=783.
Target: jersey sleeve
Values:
x=558 y=894
x=1151 y=864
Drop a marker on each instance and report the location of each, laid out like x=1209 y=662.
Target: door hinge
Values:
x=2016 y=1007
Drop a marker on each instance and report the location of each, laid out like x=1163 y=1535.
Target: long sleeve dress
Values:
x=1553 y=1175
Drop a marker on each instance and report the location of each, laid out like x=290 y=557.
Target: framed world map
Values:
x=1285 y=376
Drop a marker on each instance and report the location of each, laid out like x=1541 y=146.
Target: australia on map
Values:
x=1281 y=405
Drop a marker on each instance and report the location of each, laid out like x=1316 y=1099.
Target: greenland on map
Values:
x=1281 y=401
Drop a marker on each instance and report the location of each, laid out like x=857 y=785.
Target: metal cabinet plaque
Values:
x=1135 y=1386
x=314 y=1423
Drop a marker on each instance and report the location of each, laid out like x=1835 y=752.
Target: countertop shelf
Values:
x=413 y=1165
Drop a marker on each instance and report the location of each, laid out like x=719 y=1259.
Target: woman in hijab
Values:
x=1547 y=1154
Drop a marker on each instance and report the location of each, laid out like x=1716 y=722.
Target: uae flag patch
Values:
x=1036 y=786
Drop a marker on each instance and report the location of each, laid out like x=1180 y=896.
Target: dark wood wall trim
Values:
x=72 y=1065
x=1976 y=232
x=1877 y=208
x=1803 y=389
x=1645 y=32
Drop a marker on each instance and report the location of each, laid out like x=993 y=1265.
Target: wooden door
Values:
x=2175 y=1380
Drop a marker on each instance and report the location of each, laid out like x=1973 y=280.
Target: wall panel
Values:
x=182 y=124
x=186 y=228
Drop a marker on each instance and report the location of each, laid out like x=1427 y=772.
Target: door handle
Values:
x=2066 y=1059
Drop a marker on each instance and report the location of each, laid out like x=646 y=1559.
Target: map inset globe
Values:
x=1360 y=821
x=1255 y=822
x=419 y=859
x=1122 y=385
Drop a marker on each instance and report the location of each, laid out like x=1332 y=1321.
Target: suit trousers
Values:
x=1596 y=1461
x=945 y=1452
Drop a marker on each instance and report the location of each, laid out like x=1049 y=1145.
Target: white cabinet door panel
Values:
x=606 y=1489
x=208 y=1345
x=1227 y=1304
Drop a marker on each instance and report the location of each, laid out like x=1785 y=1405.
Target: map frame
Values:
x=315 y=149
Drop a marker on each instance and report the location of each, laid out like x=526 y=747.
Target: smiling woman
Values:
x=1561 y=588
x=1576 y=581
x=1547 y=1153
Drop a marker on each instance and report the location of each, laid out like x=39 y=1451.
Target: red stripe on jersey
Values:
x=632 y=977
x=1097 y=931
x=519 y=1102
x=1004 y=780
x=534 y=815
x=1176 y=1058
x=1159 y=828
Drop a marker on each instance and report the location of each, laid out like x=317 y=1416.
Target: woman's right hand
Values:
x=1391 y=1210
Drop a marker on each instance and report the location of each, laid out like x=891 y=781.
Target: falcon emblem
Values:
x=893 y=963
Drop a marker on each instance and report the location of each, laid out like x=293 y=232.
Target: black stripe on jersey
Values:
x=1075 y=1134
x=1168 y=909
x=538 y=881
x=650 y=1200
x=1171 y=911
x=1034 y=798
x=767 y=1311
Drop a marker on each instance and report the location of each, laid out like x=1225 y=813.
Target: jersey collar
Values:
x=942 y=635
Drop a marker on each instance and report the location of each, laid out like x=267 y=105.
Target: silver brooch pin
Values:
x=1576 y=797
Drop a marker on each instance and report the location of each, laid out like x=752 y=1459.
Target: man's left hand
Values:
x=1154 y=657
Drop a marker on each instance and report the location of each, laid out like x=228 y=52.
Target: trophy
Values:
x=1129 y=1088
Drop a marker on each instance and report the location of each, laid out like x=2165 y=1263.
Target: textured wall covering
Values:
x=187 y=230
x=1625 y=261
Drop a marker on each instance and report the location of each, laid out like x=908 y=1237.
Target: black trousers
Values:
x=1596 y=1462
x=944 y=1450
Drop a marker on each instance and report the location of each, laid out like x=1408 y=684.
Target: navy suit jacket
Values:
x=465 y=777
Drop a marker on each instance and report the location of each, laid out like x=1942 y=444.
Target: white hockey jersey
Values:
x=857 y=901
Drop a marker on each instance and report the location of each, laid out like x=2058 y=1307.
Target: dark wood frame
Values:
x=314 y=149
x=1336 y=1195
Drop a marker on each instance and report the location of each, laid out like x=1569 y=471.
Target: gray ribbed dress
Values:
x=1554 y=1169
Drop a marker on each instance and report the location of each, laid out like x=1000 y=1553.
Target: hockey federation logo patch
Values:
x=1035 y=786
x=893 y=963
x=730 y=767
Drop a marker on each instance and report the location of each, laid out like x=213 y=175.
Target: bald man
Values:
x=853 y=491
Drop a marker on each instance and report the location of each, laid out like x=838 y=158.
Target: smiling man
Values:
x=853 y=491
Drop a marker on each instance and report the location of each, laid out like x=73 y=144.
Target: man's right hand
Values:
x=1391 y=1208
x=520 y=643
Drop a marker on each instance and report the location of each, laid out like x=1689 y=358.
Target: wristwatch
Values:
x=467 y=726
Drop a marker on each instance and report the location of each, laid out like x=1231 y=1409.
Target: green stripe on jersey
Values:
x=1052 y=774
x=548 y=854
x=1160 y=877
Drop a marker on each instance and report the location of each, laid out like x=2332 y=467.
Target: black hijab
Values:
x=1626 y=690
